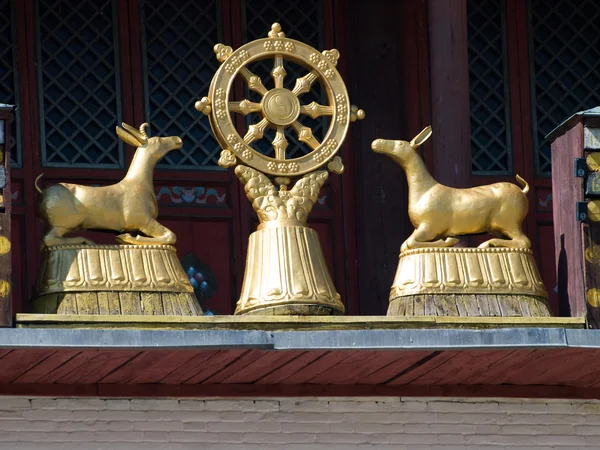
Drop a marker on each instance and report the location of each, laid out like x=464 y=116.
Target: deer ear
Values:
x=421 y=137
x=127 y=137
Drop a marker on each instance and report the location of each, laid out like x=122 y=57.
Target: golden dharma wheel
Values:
x=279 y=108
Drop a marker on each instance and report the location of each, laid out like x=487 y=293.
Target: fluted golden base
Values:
x=286 y=274
x=113 y=280
x=468 y=282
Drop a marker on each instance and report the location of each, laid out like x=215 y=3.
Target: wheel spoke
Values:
x=244 y=107
x=280 y=143
x=305 y=135
x=256 y=132
x=253 y=81
x=278 y=71
x=304 y=83
x=315 y=110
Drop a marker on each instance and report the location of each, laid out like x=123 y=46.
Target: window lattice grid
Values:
x=488 y=89
x=8 y=74
x=179 y=36
x=80 y=86
x=565 y=45
x=300 y=21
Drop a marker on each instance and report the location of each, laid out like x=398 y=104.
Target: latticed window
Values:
x=566 y=65
x=488 y=89
x=179 y=36
x=80 y=100
x=302 y=21
x=8 y=73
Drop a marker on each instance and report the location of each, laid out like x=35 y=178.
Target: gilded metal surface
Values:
x=271 y=323
x=593 y=210
x=128 y=206
x=279 y=107
x=440 y=213
x=286 y=272
x=467 y=271
x=285 y=265
x=83 y=268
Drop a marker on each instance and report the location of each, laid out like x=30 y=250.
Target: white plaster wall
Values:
x=298 y=424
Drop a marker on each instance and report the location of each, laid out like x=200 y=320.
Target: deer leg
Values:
x=422 y=236
x=516 y=239
x=156 y=234
x=55 y=237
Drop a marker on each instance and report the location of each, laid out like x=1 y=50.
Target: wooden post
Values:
x=449 y=70
x=5 y=208
x=576 y=235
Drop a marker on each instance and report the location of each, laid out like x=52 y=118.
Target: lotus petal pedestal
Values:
x=113 y=280
x=286 y=274
x=468 y=282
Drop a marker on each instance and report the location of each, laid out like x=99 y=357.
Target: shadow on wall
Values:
x=562 y=277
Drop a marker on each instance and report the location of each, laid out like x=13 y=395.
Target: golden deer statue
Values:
x=440 y=213
x=128 y=206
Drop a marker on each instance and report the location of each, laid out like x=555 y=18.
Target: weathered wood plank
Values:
x=419 y=305
x=171 y=364
x=54 y=361
x=234 y=367
x=18 y=361
x=315 y=368
x=87 y=302
x=510 y=305
x=97 y=367
x=131 y=303
x=152 y=303
x=265 y=364
x=64 y=369
x=143 y=361
x=566 y=190
x=67 y=303
x=464 y=365
x=422 y=367
x=293 y=366
x=213 y=365
x=430 y=308
x=404 y=362
x=356 y=367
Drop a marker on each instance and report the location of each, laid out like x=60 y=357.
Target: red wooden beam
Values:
x=295 y=390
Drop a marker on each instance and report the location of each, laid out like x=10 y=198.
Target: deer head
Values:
x=157 y=147
x=401 y=149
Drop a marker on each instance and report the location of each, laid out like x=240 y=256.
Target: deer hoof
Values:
x=125 y=238
x=451 y=242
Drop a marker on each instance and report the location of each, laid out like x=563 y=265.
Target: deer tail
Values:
x=521 y=181
x=35 y=183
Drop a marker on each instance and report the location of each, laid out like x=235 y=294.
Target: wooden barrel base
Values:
x=470 y=305
x=114 y=303
x=113 y=280
x=294 y=310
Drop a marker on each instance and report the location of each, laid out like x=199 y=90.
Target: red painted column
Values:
x=449 y=62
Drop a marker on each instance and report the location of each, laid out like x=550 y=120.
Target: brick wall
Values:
x=297 y=424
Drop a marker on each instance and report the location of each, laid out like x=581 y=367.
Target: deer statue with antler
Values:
x=128 y=206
